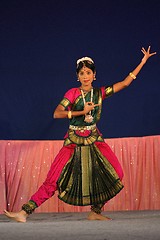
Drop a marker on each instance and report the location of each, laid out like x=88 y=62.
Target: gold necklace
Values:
x=88 y=117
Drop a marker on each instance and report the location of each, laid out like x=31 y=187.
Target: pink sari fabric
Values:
x=111 y=157
x=49 y=187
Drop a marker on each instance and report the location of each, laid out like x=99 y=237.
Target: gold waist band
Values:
x=80 y=128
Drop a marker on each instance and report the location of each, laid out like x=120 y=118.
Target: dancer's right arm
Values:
x=60 y=111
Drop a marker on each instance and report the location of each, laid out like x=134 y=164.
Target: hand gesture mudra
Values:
x=147 y=54
x=89 y=106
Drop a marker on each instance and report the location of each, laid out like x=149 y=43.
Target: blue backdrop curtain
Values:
x=40 y=43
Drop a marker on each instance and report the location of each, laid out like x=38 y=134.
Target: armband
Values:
x=132 y=75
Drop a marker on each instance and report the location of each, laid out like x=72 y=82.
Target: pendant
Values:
x=88 y=118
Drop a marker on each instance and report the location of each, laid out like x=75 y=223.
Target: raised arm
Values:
x=132 y=75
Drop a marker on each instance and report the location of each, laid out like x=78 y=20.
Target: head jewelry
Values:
x=85 y=59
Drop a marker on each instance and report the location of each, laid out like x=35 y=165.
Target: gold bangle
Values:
x=132 y=75
x=69 y=114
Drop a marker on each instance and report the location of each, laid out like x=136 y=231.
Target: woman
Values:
x=85 y=171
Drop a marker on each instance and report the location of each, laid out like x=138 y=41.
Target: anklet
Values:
x=29 y=207
x=96 y=209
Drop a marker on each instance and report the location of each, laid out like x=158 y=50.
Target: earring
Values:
x=77 y=80
x=94 y=77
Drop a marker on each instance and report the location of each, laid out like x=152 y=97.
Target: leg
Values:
x=95 y=213
x=22 y=215
x=46 y=190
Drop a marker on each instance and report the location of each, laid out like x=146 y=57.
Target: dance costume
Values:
x=85 y=171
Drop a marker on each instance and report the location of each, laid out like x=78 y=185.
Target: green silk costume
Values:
x=88 y=178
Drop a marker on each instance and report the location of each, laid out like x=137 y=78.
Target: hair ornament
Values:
x=85 y=59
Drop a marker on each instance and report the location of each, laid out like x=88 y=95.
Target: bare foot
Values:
x=17 y=216
x=95 y=216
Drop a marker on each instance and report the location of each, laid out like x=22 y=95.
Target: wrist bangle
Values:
x=69 y=114
x=132 y=75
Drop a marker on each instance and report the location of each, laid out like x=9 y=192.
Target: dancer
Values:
x=85 y=171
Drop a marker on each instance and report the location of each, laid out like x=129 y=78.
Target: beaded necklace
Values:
x=88 y=117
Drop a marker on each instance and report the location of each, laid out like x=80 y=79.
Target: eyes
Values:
x=82 y=73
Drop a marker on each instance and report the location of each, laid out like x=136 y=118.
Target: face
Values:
x=86 y=76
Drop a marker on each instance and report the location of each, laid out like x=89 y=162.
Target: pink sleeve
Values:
x=103 y=92
x=70 y=95
x=107 y=91
x=69 y=98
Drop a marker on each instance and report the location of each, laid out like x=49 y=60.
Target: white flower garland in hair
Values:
x=85 y=59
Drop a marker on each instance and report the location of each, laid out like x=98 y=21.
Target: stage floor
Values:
x=126 y=225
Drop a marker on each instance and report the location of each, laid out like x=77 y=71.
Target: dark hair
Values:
x=86 y=63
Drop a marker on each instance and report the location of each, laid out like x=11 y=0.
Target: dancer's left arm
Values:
x=128 y=80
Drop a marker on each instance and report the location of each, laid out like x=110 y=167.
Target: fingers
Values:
x=153 y=53
x=143 y=49
x=148 y=51
x=95 y=105
x=89 y=103
x=92 y=105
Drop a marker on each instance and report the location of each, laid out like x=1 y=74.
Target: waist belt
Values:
x=80 y=128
